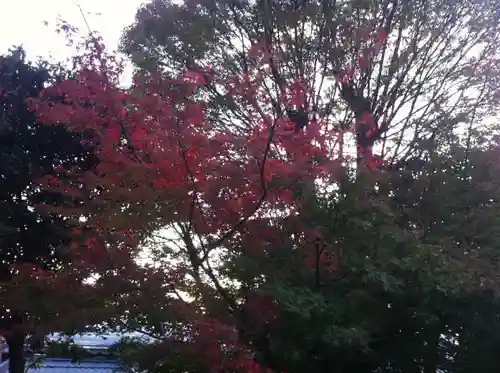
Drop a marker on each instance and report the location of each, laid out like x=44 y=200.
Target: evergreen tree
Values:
x=29 y=151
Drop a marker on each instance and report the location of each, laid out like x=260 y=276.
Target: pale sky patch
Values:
x=22 y=23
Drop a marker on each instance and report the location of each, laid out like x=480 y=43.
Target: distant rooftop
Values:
x=65 y=365
x=90 y=340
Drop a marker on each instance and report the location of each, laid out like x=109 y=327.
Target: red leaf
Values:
x=114 y=133
x=382 y=36
x=194 y=77
x=195 y=114
x=139 y=137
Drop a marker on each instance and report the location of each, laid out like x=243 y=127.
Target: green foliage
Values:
x=139 y=355
x=416 y=287
x=29 y=151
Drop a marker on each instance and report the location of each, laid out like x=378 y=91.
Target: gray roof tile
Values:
x=65 y=365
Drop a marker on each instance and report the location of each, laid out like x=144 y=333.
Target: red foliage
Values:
x=164 y=163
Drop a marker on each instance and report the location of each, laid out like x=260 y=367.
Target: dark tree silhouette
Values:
x=28 y=151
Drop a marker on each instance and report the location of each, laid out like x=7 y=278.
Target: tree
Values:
x=400 y=292
x=257 y=215
x=29 y=150
x=417 y=83
x=413 y=64
x=160 y=145
x=404 y=283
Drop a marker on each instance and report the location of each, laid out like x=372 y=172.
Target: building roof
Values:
x=89 y=339
x=98 y=340
x=65 y=365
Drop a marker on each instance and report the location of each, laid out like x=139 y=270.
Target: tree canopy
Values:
x=287 y=187
x=414 y=63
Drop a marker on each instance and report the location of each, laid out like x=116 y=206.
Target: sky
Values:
x=22 y=23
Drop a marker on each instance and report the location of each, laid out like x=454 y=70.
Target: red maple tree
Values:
x=167 y=166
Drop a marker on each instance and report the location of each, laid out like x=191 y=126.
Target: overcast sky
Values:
x=22 y=22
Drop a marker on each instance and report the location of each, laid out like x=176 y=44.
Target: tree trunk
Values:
x=16 y=352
